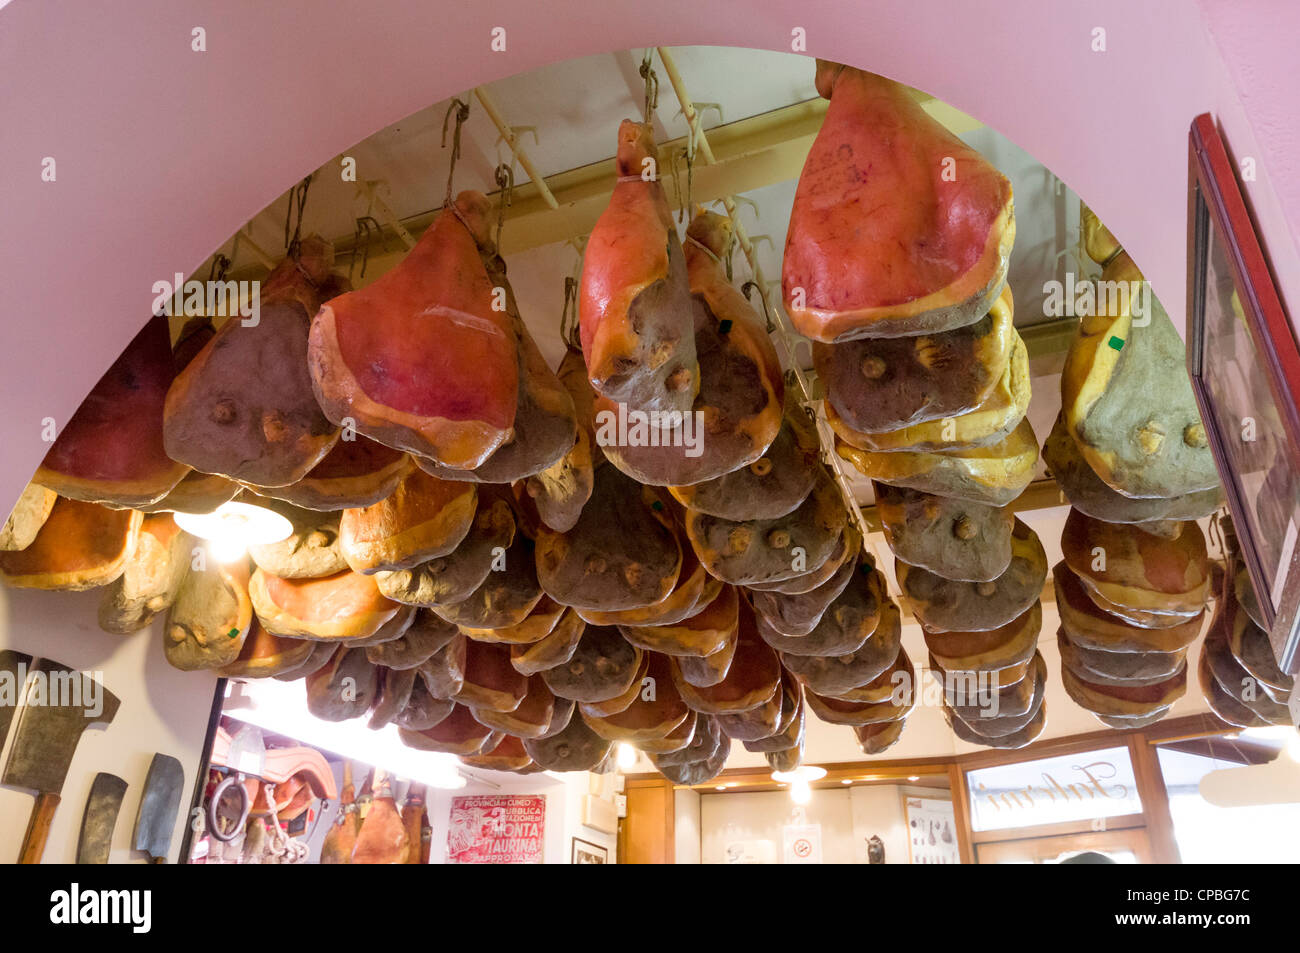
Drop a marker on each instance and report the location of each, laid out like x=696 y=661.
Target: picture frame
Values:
x=585 y=852
x=1245 y=371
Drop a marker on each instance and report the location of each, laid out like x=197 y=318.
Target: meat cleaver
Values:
x=100 y=818
x=13 y=678
x=158 y=806
x=59 y=704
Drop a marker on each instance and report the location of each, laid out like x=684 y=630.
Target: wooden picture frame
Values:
x=1245 y=370
x=585 y=852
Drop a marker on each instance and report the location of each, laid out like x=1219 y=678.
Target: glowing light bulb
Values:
x=232 y=527
x=626 y=757
x=226 y=549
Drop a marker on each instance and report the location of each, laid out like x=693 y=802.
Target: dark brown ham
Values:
x=243 y=407
x=770 y=487
x=737 y=412
x=575 y=748
x=758 y=551
x=111 y=451
x=752 y=677
x=602 y=667
x=561 y=490
x=426 y=635
x=506 y=597
x=454 y=577
x=343 y=689
x=392 y=696
x=835 y=674
x=419 y=359
x=622 y=553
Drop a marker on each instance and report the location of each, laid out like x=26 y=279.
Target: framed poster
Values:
x=585 y=852
x=931 y=830
x=496 y=829
x=1245 y=370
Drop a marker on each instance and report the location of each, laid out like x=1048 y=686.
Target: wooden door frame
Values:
x=642 y=782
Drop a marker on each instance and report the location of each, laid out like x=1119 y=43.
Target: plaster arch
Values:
x=163 y=151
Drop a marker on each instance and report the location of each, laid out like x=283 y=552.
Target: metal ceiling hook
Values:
x=461 y=110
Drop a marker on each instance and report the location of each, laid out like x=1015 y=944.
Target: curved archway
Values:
x=163 y=150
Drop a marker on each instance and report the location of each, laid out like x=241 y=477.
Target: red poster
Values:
x=496 y=829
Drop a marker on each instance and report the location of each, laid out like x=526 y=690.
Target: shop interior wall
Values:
x=162 y=710
x=848 y=816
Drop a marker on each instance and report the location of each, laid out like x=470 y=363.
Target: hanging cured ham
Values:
x=635 y=302
x=420 y=359
x=111 y=451
x=737 y=413
x=1126 y=397
x=27 y=517
x=545 y=426
x=243 y=408
x=79 y=546
x=356 y=473
x=150 y=579
x=898 y=227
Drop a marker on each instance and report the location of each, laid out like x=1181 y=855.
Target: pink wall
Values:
x=162 y=153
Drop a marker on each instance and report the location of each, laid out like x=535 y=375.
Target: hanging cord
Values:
x=762 y=299
x=220 y=265
x=651 y=86
x=505 y=179
x=293 y=213
x=367 y=229
x=569 y=315
x=461 y=109
x=684 y=202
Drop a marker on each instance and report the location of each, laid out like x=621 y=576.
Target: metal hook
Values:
x=505 y=179
x=651 y=86
x=298 y=199
x=220 y=265
x=461 y=109
x=366 y=228
x=569 y=314
x=767 y=317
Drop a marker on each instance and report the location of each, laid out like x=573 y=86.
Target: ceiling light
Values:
x=626 y=757
x=232 y=527
x=806 y=773
x=914 y=777
x=719 y=787
x=847 y=781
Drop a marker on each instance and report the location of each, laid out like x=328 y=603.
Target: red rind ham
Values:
x=898 y=227
x=419 y=359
